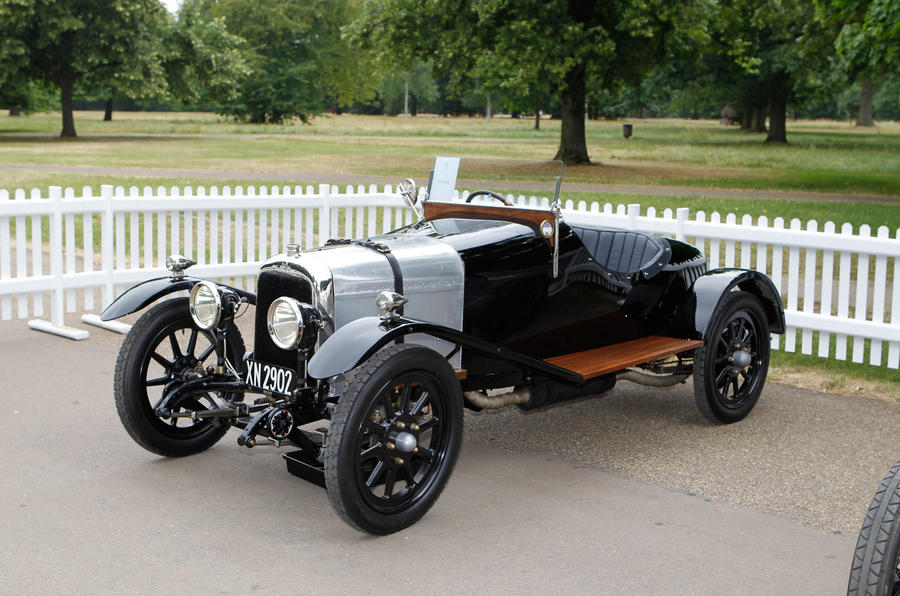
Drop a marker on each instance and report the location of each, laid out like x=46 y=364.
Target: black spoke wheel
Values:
x=395 y=436
x=730 y=369
x=163 y=349
x=875 y=570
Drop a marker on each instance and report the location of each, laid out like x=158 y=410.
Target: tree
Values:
x=777 y=43
x=512 y=44
x=296 y=58
x=869 y=41
x=189 y=60
x=417 y=80
x=61 y=43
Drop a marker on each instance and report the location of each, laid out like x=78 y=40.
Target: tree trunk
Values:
x=778 y=107
x=66 y=84
x=866 y=95
x=107 y=115
x=572 y=143
x=757 y=119
x=746 y=118
x=406 y=100
x=487 y=110
x=537 y=118
x=759 y=124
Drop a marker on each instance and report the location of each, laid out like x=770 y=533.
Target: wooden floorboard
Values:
x=608 y=359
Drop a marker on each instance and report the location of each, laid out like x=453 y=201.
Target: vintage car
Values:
x=365 y=352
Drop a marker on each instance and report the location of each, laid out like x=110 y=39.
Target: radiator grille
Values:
x=273 y=283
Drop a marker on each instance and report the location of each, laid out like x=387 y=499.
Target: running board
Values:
x=610 y=359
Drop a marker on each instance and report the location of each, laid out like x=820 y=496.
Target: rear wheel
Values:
x=394 y=439
x=165 y=348
x=876 y=563
x=730 y=368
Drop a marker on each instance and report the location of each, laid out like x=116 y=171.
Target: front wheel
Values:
x=730 y=368
x=165 y=348
x=394 y=439
x=876 y=563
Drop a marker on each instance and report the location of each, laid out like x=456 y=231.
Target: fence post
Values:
x=106 y=243
x=634 y=210
x=56 y=257
x=5 y=258
x=56 y=325
x=682 y=214
x=325 y=231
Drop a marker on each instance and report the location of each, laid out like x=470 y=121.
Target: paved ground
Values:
x=577 y=507
x=542 y=187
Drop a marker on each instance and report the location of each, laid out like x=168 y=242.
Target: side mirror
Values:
x=410 y=193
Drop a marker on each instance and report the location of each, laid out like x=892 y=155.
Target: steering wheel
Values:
x=489 y=193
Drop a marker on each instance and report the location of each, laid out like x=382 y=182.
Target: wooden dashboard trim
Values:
x=533 y=218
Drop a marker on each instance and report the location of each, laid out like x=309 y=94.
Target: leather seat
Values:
x=624 y=252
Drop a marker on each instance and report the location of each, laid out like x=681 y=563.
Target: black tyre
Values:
x=162 y=349
x=730 y=368
x=876 y=563
x=394 y=439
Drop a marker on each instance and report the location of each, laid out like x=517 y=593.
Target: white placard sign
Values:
x=444 y=181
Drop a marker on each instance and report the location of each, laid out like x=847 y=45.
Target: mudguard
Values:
x=137 y=297
x=356 y=341
x=711 y=287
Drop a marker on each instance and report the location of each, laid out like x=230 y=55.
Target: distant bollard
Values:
x=626 y=130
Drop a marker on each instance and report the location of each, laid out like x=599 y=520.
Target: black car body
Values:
x=388 y=338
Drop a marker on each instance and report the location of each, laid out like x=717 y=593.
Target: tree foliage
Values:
x=523 y=46
x=776 y=43
x=61 y=43
x=296 y=58
x=870 y=33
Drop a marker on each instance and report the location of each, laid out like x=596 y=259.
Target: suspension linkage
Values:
x=196 y=387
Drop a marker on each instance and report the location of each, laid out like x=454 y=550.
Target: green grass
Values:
x=828 y=373
x=825 y=157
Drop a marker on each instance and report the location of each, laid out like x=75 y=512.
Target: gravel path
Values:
x=806 y=456
x=308 y=177
x=809 y=457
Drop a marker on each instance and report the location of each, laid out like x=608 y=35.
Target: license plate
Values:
x=268 y=377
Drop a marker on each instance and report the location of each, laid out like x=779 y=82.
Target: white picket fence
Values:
x=841 y=289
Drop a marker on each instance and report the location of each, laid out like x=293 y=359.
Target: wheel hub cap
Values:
x=405 y=442
x=741 y=359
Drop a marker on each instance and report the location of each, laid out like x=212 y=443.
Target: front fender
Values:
x=711 y=287
x=356 y=341
x=137 y=297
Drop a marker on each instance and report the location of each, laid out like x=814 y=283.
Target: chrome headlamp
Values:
x=291 y=322
x=206 y=304
x=285 y=323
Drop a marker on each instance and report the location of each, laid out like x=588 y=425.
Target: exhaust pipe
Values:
x=517 y=396
x=541 y=394
x=642 y=378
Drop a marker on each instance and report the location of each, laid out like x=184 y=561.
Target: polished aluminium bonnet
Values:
x=346 y=278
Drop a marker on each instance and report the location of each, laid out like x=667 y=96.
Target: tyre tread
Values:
x=880 y=526
x=355 y=382
x=137 y=427
x=700 y=364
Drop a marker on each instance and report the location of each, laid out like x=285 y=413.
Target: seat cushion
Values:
x=625 y=252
